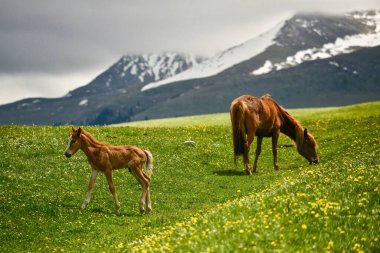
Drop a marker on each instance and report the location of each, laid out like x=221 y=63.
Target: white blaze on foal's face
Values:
x=74 y=143
x=67 y=151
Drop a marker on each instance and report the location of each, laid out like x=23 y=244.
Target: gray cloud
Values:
x=59 y=36
x=63 y=38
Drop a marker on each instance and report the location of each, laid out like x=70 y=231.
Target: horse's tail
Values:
x=148 y=162
x=238 y=113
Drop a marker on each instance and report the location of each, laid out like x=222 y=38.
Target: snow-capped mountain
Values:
x=154 y=67
x=223 y=60
x=307 y=60
x=347 y=44
x=132 y=70
x=304 y=37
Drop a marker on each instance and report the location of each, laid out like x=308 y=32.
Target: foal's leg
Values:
x=258 y=151
x=274 y=148
x=148 y=202
x=146 y=183
x=250 y=137
x=145 y=195
x=113 y=191
x=147 y=198
x=90 y=188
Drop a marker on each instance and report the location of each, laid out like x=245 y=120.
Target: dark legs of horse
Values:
x=274 y=149
x=113 y=191
x=250 y=138
x=90 y=188
x=258 y=151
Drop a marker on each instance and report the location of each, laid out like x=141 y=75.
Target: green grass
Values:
x=201 y=201
x=219 y=119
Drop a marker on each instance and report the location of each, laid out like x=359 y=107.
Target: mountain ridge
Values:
x=115 y=95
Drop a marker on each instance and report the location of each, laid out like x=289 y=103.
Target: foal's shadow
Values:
x=101 y=211
x=229 y=172
x=68 y=206
x=111 y=213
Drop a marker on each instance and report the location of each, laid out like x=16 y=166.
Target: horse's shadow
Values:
x=229 y=172
x=232 y=172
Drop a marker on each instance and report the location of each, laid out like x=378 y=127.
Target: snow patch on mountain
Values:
x=344 y=45
x=109 y=80
x=223 y=60
x=334 y=63
x=266 y=68
x=83 y=102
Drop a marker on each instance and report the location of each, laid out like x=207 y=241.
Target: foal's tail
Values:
x=148 y=162
x=238 y=113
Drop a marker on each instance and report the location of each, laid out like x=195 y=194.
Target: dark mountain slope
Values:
x=312 y=84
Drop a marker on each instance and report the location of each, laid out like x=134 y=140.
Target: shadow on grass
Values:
x=122 y=214
x=68 y=206
x=101 y=211
x=229 y=172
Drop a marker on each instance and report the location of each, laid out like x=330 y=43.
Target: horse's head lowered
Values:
x=308 y=147
x=74 y=142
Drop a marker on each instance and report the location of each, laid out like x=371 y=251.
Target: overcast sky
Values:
x=50 y=47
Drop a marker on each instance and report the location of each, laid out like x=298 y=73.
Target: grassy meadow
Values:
x=201 y=201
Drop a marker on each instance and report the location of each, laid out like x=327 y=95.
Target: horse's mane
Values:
x=290 y=126
x=91 y=139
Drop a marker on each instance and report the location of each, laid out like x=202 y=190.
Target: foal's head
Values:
x=74 y=142
x=308 y=147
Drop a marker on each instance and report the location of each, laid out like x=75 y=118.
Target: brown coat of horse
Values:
x=263 y=117
x=106 y=158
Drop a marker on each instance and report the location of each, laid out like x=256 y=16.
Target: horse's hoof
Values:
x=142 y=211
x=248 y=172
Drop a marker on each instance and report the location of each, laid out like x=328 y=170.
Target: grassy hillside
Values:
x=223 y=119
x=217 y=119
x=201 y=201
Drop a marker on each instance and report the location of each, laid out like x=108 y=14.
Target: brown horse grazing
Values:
x=263 y=117
x=106 y=158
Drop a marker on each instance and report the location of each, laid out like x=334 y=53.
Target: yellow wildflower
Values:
x=356 y=246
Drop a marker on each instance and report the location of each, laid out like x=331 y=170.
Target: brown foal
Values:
x=106 y=158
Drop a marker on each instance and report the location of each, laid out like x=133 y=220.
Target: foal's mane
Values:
x=94 y=142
